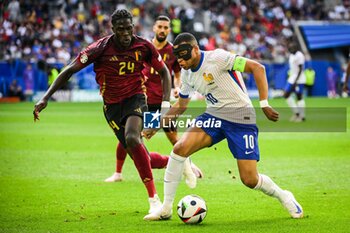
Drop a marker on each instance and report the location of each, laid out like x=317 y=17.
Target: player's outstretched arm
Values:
x=177 y=109
x=258 y=71
x=177 y=84
x=62 y=78
x=166 y=81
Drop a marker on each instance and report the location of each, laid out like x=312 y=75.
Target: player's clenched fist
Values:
x=38 y=107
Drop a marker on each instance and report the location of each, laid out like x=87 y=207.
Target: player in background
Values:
x=295 y=83
x=118 y=62
x=345 y=88
x=153 y=83
x=216 y=75
x=161 y=29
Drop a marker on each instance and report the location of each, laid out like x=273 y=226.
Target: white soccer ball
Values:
x=192 y=209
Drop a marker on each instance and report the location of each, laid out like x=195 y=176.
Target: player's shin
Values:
x=120 y=157
x=301 y=108
x=292 y=104
x=172 y=178
x=143 y=166
x=287 y=199
x=267 y=186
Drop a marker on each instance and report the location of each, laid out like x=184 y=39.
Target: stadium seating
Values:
x=47 y=30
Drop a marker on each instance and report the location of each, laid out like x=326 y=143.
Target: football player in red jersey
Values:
x=161 y=29
x=118 y=63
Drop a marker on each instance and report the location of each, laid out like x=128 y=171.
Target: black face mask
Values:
x=183 y=51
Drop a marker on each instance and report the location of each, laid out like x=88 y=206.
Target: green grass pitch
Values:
x=52 y=172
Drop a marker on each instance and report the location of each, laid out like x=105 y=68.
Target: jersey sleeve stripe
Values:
x=235 y=78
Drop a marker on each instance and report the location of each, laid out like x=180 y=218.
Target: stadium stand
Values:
x=55 y=31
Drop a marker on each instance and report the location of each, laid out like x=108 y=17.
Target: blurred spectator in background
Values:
x=331 y=83
x=28 y=77
x=176 y=27
x=52 y=75
x=14 y=10
x=15 y=90
x=57 y=30
x=310 y=80
x=51 y=71
x=345 y=80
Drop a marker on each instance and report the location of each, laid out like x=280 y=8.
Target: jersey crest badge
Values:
x=84 y=58
x=208 y=78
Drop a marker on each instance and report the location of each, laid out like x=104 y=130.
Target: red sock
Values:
x=120 y=155
x=158 y=160
x=143 y=165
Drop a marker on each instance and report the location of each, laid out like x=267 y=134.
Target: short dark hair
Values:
x=185 y=38
x=163 y=18
x=121 y=14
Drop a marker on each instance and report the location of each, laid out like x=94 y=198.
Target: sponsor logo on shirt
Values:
x=114 y=58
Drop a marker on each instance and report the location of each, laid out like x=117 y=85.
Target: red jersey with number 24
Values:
x=119 y=71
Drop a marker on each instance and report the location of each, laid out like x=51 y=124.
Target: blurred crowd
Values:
x=55 y=31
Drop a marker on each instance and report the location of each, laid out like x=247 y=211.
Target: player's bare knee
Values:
x=249 y=181
x=180 y=148
x=132 y=140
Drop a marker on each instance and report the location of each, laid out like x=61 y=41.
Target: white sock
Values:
x=301 y=107
x=292 y=104
x=172 y=178
x=267 y=186
x=187 y=166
